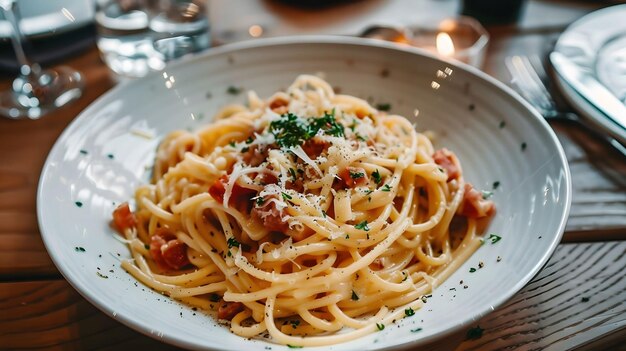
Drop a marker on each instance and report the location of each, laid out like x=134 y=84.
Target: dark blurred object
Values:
x=313 y=4
x=493 y=11
x=49 y=49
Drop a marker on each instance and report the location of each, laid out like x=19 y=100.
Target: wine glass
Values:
x=35 y=91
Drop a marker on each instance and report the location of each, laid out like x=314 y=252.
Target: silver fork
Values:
x=527 y=74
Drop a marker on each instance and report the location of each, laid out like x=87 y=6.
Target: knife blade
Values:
x=590 y=89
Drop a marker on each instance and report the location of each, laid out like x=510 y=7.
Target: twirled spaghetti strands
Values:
x=311 y=217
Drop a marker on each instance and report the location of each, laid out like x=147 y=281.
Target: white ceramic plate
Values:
x=98 y=161
x=596 y=43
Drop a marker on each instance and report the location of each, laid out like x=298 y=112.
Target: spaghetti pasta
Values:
x=310 y=216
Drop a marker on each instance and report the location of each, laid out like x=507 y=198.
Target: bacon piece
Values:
x=239 y=193
x=279 y=105
x=167 y=251
x=266 y=178
x=377 y=264
x=228 y=310
x=474 y=206
x=447 y=160
x=272 y=218
x=254 y=155
x=315 y=146
x=123 y=218
x=278 y=102
x=352 y=176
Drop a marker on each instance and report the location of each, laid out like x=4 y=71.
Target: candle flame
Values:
x=445 y=47
x=255 y=31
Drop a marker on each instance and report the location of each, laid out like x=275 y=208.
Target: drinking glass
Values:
x=35 y=91
x=139 y=36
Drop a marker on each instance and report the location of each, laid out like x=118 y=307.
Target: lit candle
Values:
x=445 y=46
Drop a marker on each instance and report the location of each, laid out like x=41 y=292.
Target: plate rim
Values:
x=311 y=40
x=579 y=102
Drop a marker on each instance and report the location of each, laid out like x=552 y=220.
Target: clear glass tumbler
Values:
x=139 y=36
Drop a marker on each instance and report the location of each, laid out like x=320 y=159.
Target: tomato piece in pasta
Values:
x=239 y=193
x=446 y=159
x=474 y=205
x=228 y=310
x=167 y=251
x=123 y=218
x=353 y=176
x=273 y=219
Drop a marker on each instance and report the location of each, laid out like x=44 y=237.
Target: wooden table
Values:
x=577 y=301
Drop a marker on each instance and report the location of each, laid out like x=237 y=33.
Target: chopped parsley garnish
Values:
x=368 y=191
x=79 y=249
x=260 y=200
x=353 y=125
x=233 y=90
x=291 y=130
x=324 y=214
x=386 y=187
x=214 y=297
x=383 y=106
x=110 y=156
x=472 y=270
x=475 y=333
x=376 y=176
x=380 y=326
x=494 y=238
x=502 y=124
x=416 y=330
x=84 y=152
x=78 y=204
x=294 y=323
x=496 y=184
x=232 y=144
x=327 y=123
x=249 y=140
x=355 y=297
x=487 y=194
x=409 y=312
x=585 y=299
x=102 y=275
x=294 y=346
x=360 y=137
x=362 y=226
x=232 y=242
x=286 y=196
x=356 y=175
x=523 y=146
x=292 y=172
x=146 y=246
x=245 y=149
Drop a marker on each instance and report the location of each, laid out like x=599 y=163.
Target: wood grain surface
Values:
x=40 y=310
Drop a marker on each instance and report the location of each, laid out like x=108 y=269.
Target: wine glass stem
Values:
x=11 y=14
